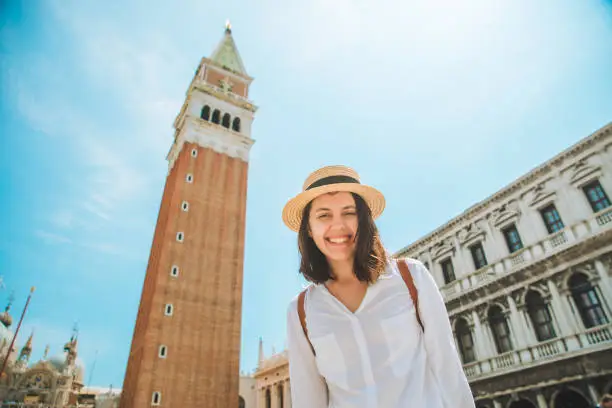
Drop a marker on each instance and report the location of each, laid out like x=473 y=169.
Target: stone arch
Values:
x=465 y=316
x=521 y=402
x=540 y=288
x=504 y=308
x=569 y=397
x=563 y=279
x=241 y=402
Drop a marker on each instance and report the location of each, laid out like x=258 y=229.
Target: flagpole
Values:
x=16 y=332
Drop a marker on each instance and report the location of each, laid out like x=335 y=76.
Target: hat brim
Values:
x=292 y=213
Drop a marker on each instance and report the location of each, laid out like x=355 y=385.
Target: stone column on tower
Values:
x=185 y=348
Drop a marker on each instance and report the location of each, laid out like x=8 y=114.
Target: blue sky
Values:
x=437 y=103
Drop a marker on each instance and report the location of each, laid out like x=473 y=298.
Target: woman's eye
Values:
x=350 y=213
x=323 y=216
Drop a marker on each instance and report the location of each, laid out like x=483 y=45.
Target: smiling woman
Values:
x=359 y=336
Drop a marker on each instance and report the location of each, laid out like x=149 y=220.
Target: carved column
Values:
x=515 y=321
x=483 y=348
x=562 y=311
x=541 y=400
x=287 y=392
x=605 y=284
x=497 y=404
x=274 y=395
x=262 y=398
x=593 y=393
x=529 y=328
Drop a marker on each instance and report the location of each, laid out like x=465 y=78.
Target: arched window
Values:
x=241 y=403
x=268 y=398
x=587 y=301
x=205 y=114
x=522 y=403
x=280 y=396
x=216 y=116
x=465 y=341
x=226 y=120
x=570 y=399
x=500 y=329
x=539 y=313
x=236 y=124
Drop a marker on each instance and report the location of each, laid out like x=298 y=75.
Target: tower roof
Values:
x=28 y=345
x=226 y=54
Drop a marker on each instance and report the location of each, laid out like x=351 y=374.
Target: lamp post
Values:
x=8 y=353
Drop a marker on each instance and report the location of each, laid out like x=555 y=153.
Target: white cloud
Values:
x=62 y=219
x=51 y=238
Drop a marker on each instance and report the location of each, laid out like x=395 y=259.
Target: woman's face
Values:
x=333 y=225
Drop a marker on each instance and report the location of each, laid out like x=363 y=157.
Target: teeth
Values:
x=338 y=240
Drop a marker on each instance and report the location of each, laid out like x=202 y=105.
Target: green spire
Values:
x=226 y=54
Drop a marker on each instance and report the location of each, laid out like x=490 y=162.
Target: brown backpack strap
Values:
x=414 y=294
x=302 y=316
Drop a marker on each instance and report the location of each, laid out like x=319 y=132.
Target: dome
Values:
x=6 y=319
x=58 y=362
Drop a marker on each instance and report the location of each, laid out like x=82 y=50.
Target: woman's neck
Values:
x=343 y=271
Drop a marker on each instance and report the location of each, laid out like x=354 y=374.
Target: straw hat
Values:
x=326 y=180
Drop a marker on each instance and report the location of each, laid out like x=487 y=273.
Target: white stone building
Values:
x=527 y=279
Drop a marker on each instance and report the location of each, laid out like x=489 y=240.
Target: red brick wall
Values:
x=203 y=335
x=239 y=88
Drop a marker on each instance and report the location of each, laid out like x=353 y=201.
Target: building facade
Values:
x=526 y=275
x=185 y=349
x=49 y=382
x=272 y=384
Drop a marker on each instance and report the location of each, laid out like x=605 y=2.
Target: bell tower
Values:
x=185 y=350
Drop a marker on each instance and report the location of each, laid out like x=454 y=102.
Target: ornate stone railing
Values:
x=545 y=248
x=604 y=217
x=599 y=337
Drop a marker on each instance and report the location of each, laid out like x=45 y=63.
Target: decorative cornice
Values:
x=503 y=215
x=520 y=184
x=470 y=234
x=442 y=249
x=541 y=196
x=225 y=95
x=215 y=137
x=582 y=172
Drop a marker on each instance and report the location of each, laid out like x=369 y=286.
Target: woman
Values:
x=359 y=342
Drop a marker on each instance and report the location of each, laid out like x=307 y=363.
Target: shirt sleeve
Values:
x=307 y=385
x=442 y=355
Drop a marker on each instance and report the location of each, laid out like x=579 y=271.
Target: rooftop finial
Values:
x=228 y=26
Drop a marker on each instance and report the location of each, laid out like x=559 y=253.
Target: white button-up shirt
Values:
x=378 y=356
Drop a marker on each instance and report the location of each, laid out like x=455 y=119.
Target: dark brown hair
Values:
x=370 y=256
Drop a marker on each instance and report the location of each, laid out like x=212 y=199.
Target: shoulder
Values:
x=419 y=272
x=292 y=307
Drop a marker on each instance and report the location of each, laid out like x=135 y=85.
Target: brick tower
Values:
x=186 y=346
